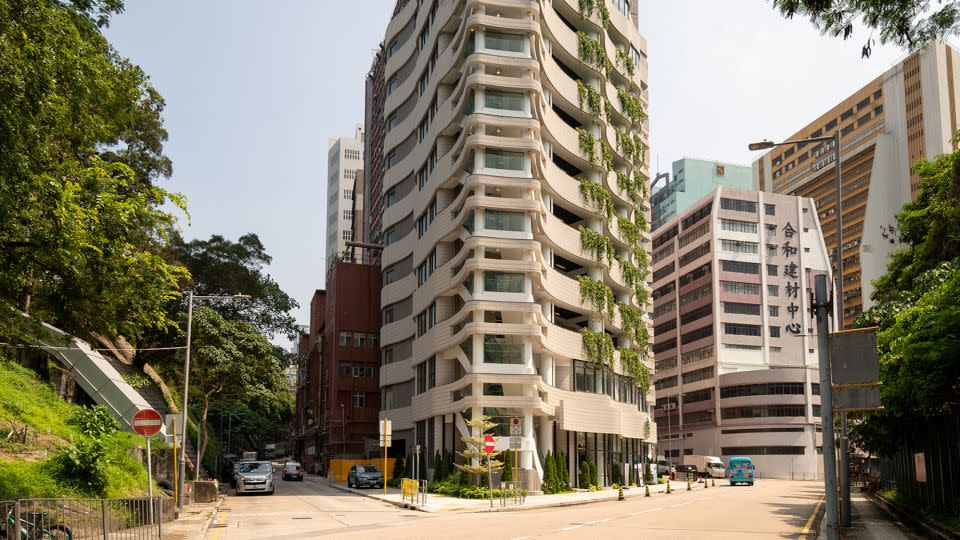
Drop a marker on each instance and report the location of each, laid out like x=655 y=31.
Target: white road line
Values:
x=570 y=528
x=646 y=511
x=597 y=521
x=523 y=538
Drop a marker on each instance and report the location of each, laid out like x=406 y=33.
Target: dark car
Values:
x=292 y=471
x=687 y=472
x=364 y=476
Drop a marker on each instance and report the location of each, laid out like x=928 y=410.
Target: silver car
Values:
x=254 y=476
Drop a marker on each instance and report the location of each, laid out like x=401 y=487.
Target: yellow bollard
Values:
x=705 y=483
x=713 y=483
x=668 y=487
x=620 y=495
x=688 y=485
x=646 y=490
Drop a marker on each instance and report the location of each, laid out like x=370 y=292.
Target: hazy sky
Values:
x=254 y=89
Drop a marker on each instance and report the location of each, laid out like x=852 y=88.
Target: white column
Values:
x=526 y=457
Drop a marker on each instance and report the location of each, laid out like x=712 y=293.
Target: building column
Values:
x=546 y=436
x=526 y=457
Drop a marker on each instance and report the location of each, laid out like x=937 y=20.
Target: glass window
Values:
x=358 y=399
x=510 y=101
x=497 y=350
x=344 y=369
x=502 y=159
x=346 y=339
x=738 y=226
x=503 y=221
x=502 y=41
x=503 y=282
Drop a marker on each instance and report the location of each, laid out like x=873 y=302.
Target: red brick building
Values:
x=338 y=398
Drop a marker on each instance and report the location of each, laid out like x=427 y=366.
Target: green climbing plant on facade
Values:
x=588 y=7
x=623 y=60
x=606 y=155
x=598 y=197
x=598 y=293
x=632 y=364
x=597 y=346
x=627 y=144
x=630 y=320
x=631 y=105
x=590 y=99
x=598 y=245
x=588 y=145
x=626 y=184
x=629 y=231
x=591 y=52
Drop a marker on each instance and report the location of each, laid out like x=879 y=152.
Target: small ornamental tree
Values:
x=475 y=455
x=437 y=467
x=549 y=474
x=584 y=475
x=594 y=480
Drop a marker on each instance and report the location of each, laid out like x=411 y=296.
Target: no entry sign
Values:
x=147 y=422
x=488 y=443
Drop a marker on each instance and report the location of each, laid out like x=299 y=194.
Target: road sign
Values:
x=515 y=442
x=386 y=432
x=172 y=421
x=515 y=426
x=147 y=422
x=488 y=443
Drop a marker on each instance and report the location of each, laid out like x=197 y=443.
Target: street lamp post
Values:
x=186 y=389
x=838 y=320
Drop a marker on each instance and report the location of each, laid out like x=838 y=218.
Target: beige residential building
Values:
x=735 y=346
x=513 y=191
x=344 y=193
x=906 y=114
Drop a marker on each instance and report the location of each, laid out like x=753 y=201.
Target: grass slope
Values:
x=33 y=469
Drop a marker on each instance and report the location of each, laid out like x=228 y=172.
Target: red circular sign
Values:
x=488 y=443
x=147 y=422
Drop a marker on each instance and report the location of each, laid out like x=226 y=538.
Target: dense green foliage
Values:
x=906 y=23
x=918 y=312
x=81 y=138
x=219 y=266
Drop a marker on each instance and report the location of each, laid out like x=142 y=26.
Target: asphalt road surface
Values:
x=309 y=509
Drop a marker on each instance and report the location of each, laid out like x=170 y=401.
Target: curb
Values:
x=496 y=508
x=206 y=525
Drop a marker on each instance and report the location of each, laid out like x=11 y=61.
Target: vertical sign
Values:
x=920 y=465
x=792 y=272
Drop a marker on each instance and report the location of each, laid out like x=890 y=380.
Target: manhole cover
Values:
x=218 y=525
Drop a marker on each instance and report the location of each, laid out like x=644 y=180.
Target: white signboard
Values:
x=515 y=427
x=386 y=432
x=515 y=442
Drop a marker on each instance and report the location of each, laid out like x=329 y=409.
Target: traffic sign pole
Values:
x=488 y=445
x=149 y=481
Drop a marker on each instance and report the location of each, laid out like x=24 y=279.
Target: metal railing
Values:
x=107 y=519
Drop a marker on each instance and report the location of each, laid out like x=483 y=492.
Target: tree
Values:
x=437 y=467
x=907 y=23
x=594 y=479
x=72 y=251
x=917 y=311
x=549 y=474
x=565 y=471
x=585 y=478
x=81 y=139
x=233 y=355
x=475 y=455
x=220 y=266
x=507 y=474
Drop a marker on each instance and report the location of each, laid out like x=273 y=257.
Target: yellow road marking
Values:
x=806 y=527
x=221 y=516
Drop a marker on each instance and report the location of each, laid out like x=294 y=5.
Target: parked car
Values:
x=292 y=471
x=254 y=476
x=709 y=466
x=686 y=471
x=364 y=476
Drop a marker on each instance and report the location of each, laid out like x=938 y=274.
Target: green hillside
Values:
x=47 y=463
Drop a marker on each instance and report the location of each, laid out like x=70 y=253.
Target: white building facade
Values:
x=344 y=159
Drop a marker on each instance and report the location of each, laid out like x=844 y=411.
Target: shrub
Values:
x=84 y=465
x=93 y=421
x=507 y=474
x=594 y=480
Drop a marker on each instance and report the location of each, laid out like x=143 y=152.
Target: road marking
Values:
x=572 y=527
x=597 y=521
x=523 y=538
x=646 y=511
x=806 y=527
x=221 y=515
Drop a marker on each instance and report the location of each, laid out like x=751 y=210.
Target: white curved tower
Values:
x=515 y=229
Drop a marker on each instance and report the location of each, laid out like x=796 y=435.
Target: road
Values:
x=769 y=509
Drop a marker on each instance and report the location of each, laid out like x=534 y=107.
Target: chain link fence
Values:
x=73 y=519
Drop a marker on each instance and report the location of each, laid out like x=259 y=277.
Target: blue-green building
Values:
x=690 y=181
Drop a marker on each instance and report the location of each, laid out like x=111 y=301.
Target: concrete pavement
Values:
x=313 y=509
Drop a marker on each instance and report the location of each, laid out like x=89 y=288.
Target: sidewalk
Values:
x=193 y=521
x=441 y=503
x=868 y=521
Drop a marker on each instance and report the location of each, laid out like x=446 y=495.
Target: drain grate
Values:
x=303 y=517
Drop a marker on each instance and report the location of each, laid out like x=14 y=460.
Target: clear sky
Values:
x=254 y=90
